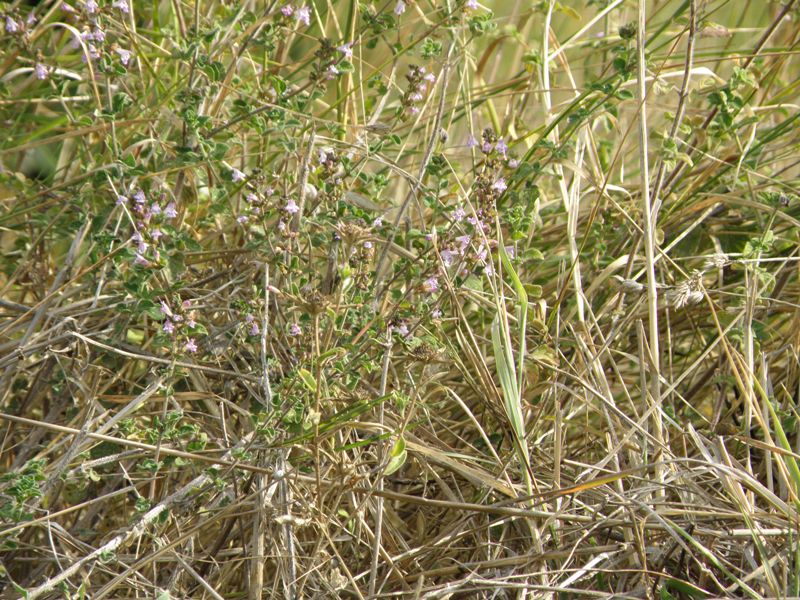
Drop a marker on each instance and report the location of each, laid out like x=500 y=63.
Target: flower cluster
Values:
x=301 y=15
x=149 y=217
x=88 y=20
x=418 y=80
x=180 y=325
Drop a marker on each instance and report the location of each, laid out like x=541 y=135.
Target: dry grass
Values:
x=594 y=394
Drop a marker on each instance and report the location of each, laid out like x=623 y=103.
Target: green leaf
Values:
x=308 y=379
x=397 y=456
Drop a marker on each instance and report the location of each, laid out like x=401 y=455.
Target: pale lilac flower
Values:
x=191 y=323
x=500 y=186
x=473 y=221
x=99 y=35
x=287 y=11
x=251 y=197
x=121 y=200
x=282 y=226
x=155 y=208
x=141 y=260
x=177 y=318
x=488 y=269
x=471 y=5
x=413 y=110
x=487 y=147
x=41 y=71
x=403 y=330
x=67 y=8
x=459 y=213
x=303 y=15
x=268 y=192
x=501 y=146
x=436 y=314
x=91 y=6
x=511 y=251
x=400 y=8
x=463 y=241
x=294 y=330
x=378 y=222
x=430 y=77
x=94 y=53
x=122 y=5
x=472 y=142
x=165 y=309
x=416 y=97
x=142 y=247
x=331 y=72
x=368 y=245
x=11 y=25
x=169 y=326
x=431 y=285
x=186 y=304
x=156 y=234
x=171 y=211
x=139 y=197
x=237 y=176
x=31 y=19
x=254 y=329
x=482 y=253
x=513 y=163
x=347 y=50
x=242 y=219
x=191 y=345
x=291 y=207
x=447 y=257
x=124 y=56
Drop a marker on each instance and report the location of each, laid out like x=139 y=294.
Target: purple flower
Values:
x=291 y=207
x=471 y=5
x=303 y=15
x=11 y=25
x=281 y=225
x=511 y=251
x=124 y=56
x=139 y=197
x=378 y=222
x=155 y=208
x=122 y=5
x=191 y=345
x=472 y=142
x=191 y=322
x=31 y=19
x=513 y=163
x=500 y=186
x=487 y=147
x=171 y=211
x=91 y=6
x=501 y=147
x=156 y=234
x=141 y=260
x=347 y=50
x=403 y=330
x=169 y=327
x=251 y=197
x=431 y=285
x=368 y=245
x=121 y=200
x=294 y=330
x=463 y=241
x=41 y=71
x=447 y=257
x=242 y=219
x=186 y=304
x=254 y=329
x=430 y=77
x=142 y=247
x=331 y=72
x=459 y=213
x=237 y=176
x=287 y=11
x=400 y=8
x=99 y=35
x=436 y=314
x=165 y=309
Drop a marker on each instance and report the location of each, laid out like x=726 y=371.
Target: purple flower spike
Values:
x=291 y=207
x=171 y=211
x=303 y=15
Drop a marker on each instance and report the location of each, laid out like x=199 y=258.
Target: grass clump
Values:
x=399 y=299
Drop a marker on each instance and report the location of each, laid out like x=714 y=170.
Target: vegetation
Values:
x=394 y=298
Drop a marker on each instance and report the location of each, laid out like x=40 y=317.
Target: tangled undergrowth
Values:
x=388 y=298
